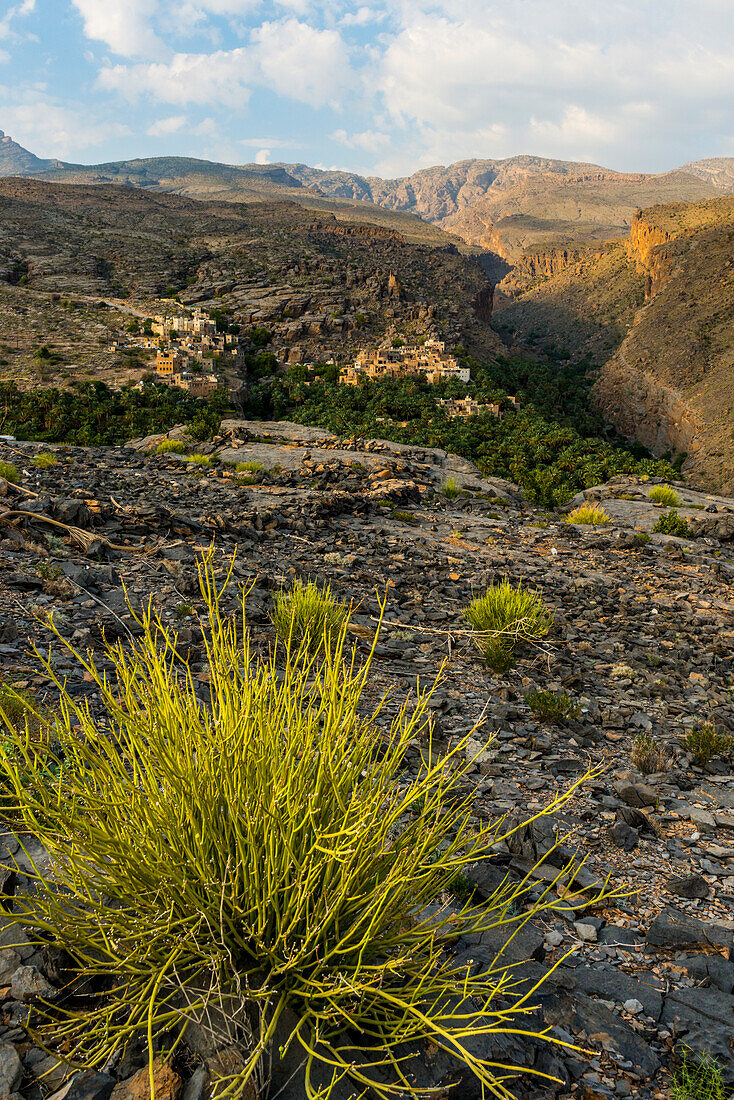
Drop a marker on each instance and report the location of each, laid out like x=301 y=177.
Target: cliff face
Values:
x=671 y=382
x=652 y=262
x=366 y=232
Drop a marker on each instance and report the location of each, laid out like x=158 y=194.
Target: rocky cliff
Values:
x=671 y=382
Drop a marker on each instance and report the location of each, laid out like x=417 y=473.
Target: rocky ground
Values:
x=642 y=642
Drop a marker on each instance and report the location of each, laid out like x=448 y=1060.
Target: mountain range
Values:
x=505 y=207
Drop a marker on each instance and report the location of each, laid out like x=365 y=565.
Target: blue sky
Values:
x=383 y=87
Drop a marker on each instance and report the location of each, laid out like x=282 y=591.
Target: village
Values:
x=191 y=354
x=429 y=359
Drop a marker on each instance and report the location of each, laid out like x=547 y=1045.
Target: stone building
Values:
x=430 y=359
x=464 y=407
x=170 y=361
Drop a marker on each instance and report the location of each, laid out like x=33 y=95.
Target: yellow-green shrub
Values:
x=502 y=618
x=664 y=494
x=588 y=514
x=171 y=446
x=259 y=853
x=308 y=614
x=44 y=459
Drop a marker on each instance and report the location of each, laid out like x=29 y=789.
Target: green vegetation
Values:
x=44 y=354
x=171 y=446
x=451 y=487
x=402 y=516
x=304 y=901
x=308 y=615
x=670 y=523
x=552 y=707
x=9 y=472
x=664 y=494
x=20 y=721
x=92 y=414
x=16 y=706
x=553 y=445
x=199 y=459
x=249 y=467
x=705 y=741
x=505 y=616
x=44 y=459
x=648 y=755
x=698 y=1077
x=591 y=514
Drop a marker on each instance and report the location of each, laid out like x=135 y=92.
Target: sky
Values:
x=382 y=88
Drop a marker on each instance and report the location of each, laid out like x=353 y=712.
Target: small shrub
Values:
x=503 y=617
x=171 y=446
x=20 y=720
x=589 y=514
x=9 y=472
x=249 y=467
x=308 y=615
x=698 y=1077
x=670 y=523
x=642 y=538
x=403 y=517
x=664 y=494
x=462 y=888
x=648 y=755
x=44 y=459
x=552 y=707
x=705 y=741
x=15 y=706
x=184 y=610
x=451 y=487
x=199 y=460
x=256 y=859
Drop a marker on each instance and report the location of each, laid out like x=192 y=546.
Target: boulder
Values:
x=673 y=928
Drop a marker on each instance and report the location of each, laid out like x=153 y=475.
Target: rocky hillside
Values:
x=649 y=974
x=205 y=180
x=671 y=382
x=70 y=254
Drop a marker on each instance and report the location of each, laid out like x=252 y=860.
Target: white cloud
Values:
x=633 y=87
x=268 y=142
x=221 y=77
x=50 y=129
x=291 y=58
x=372 y=141
x=124 y=25
x=301 y=62
x=262 y=156
x=166 y=126
x=362 y=17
